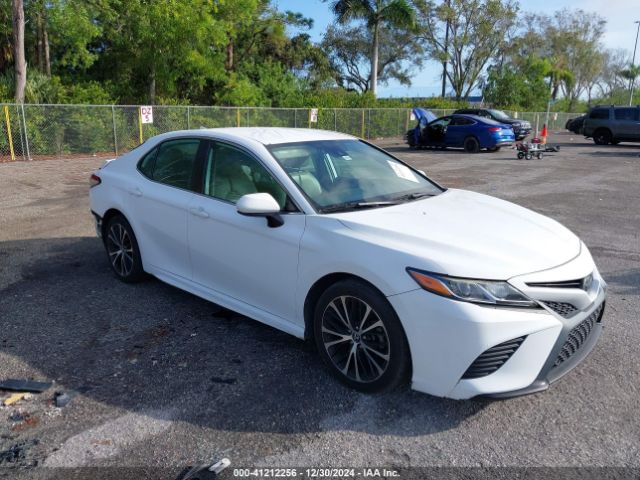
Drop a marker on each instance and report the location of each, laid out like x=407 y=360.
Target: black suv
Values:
x=521 y=128
x=611 y=124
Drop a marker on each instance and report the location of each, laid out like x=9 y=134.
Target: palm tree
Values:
x=631 y=74
x=376 y=13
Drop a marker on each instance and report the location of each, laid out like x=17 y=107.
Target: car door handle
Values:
x=199 y=212
x=136 y=192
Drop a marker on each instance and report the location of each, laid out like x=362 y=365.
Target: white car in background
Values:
x=327 y=237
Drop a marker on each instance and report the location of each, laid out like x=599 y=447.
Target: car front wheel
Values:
x=360 y=338
x=122 y=250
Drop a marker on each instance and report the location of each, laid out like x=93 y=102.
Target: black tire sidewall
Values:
x=471 y=142
x=602 y=137
x=399 y=367
x=137 y=272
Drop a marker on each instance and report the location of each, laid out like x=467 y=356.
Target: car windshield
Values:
x=499 y=114
x=342 y=175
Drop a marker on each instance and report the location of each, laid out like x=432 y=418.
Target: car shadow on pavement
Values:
x=150 y=347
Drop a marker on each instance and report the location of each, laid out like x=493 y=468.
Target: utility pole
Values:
x=446 y=50
x=633 y=62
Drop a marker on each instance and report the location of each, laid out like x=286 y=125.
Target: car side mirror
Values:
x=260 y=205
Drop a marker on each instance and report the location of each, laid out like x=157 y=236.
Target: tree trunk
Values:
x=374 y=61
x=45 y=41
x=40 y=49
x=152 y=85
x=229 y=61
x=18 y=50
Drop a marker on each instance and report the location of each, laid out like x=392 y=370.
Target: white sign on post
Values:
x=313 y=115
x=146 y=114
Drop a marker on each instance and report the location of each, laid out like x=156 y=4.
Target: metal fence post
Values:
x=335 y=120
x=26 y=138
x=140 y=124
x=115 y=136
x=188 y=117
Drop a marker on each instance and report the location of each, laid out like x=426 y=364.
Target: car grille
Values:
x=579 y=335
x=565 y=310
x=493 y=358
x=581 y=283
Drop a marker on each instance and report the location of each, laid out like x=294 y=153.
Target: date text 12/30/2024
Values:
x=317 y=473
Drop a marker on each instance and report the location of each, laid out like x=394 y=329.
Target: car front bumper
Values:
x=447 y=337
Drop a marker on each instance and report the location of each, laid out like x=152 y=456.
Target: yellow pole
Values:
x=140 y=123
x=362 y=136
x=6 y=116
x=238 y=117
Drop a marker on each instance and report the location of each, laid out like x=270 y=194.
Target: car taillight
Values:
x=94 y=180
x=495 y=129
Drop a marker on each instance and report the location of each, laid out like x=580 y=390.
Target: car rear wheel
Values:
x=122 y=250
x=471 y=145
x=602 y=136
x=360 y=338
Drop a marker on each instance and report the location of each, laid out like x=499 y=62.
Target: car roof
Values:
x=264 y=135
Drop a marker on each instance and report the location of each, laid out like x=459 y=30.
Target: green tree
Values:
x=477 y=32
x=348 y=50
x=377 y=14
x=523 y=87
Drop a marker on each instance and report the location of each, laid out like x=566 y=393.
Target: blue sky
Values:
x=621 y=31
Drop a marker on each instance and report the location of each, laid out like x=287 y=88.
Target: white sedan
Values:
x=329 y=238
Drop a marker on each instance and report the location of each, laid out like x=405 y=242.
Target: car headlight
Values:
x=486 y=292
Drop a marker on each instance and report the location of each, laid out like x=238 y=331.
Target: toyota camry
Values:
x=395 y=278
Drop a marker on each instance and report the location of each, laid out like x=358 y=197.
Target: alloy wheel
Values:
x=120 y=249
x=355 y=339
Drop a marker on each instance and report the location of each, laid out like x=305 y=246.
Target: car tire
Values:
x=471 y=145
x=602 y=136
x=360 y=337
x=122 y=250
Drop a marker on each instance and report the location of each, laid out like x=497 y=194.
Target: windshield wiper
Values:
x=415 y=196
x=358 y=205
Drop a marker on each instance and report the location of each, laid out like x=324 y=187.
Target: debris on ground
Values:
x=62 y=399
x=26 y=421
x=228 y=381
x=17 y=453
x=15 y=398
x=18 y=385
x=206 y=471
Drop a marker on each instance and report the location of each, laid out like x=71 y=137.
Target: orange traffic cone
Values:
x=543 y=134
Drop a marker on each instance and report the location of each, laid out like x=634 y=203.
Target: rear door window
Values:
x=599 y=113
x=172 y=163
x=461 y=121
x=626 y=114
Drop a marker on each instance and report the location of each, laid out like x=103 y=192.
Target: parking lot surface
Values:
x=165 y=379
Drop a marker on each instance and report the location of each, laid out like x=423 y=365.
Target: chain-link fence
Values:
x=67 y=131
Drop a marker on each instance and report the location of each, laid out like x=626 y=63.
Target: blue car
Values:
x=471 y=132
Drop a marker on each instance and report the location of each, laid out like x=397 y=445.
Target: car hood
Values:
x=467 y=234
